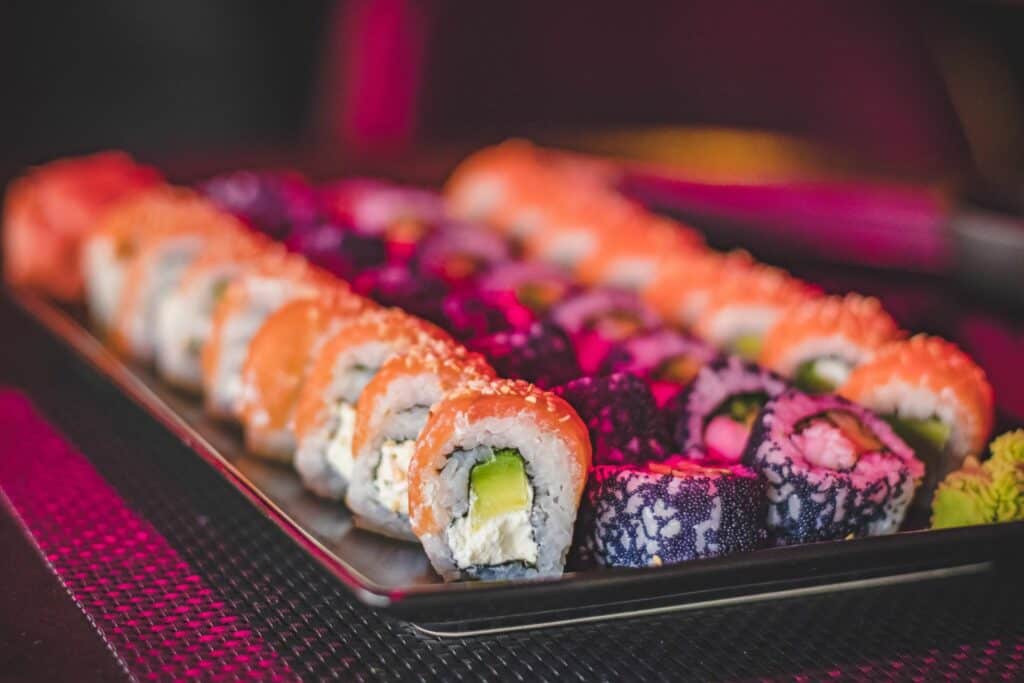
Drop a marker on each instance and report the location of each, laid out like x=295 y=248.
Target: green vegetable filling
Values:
x=810 y=380
x=742 y=408
x=678 y=369
x=747 y=345
x=498 y=486
x=929 y=436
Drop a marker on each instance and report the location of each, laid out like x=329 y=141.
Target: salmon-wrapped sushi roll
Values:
x=277 y=364
x=184 y=318
x=488 y=182
x=265 y=285
x=632 y=255
x=933 y=395
x=818 y=342
x=576 y=228
x=742 y=308
x=325 y=419
x=390 y=414
x=50 y=211
x=161 y=259
x=495 y=481
x=682 y=284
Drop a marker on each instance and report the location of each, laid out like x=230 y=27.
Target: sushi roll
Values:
x=403 y=287
x=681 y=286
x=541 y=354
x=272 y=202
x=597 y=320
x=622 y=418
x=817 y=342
x=496 y=185
x=342 y=251
x=114 y=244
x=743 y=306
x=833 y=469
x=576 y=228
x=375 y=207
x=157 y=267
x=665 y=513
x=51 y=210
x=537 y=286
x=390 y=414
x=632 y=255
x=184 y=317
x=495 y=482
x=271 y=281
x=713 y=416
x=935 y=397
x=325 y=418
x=277 y=364
x=469 y=313
x=459 y=253
x=668 y=360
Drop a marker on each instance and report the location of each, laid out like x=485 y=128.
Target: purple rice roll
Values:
x=713 y=416
x=340 y=251
x=666 y=358
x=376 y=207
x=672 y=512
x=272 y=202
x=536 y=285
x=833 y=469
x=470 y=313
x=597 y=320
x=540 y=354
x=397 y=285
x=459 y=252
x=624 y=422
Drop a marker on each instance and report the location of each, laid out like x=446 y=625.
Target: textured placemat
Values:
x=966 y=628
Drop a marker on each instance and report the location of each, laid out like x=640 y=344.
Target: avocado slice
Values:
x=498 y=486
x=808 y=378
x=931 y=433
x=747 y=345
x=742 y=408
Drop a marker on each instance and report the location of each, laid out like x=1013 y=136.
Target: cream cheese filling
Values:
x=503 y=538
x=339 y=450
x=392 y=477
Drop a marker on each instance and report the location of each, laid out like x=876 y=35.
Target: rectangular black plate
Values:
x=397 y=577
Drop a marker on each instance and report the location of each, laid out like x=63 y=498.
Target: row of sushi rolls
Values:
x=524 y=370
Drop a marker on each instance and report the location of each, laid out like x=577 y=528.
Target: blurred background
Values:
x=924 y=90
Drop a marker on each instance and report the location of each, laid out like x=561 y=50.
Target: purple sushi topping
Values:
x=273 y=202
x=460 y=252
x=343 y=252
x=666 y=358
x=623 y=420
x=397 y=285
x=833 y=469
x=598 y=320
x=540 y=354
x=537 y=286
x=469 y=314
x=667 y=513
x=713 y=416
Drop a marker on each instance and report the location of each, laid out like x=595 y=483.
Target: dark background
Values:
x=928 y=88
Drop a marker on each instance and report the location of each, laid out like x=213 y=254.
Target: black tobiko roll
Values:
x=713 y=416
x=622 y=417
x=458 y=253
x=833 y=469
x=470 y=313
x=397 y=285
x=340 y=251
x=666 y=513
x=540 y=354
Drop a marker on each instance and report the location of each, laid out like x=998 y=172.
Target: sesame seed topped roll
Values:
x=495 y=481
x=933 y=394
x=278 y=362
x=680 y=288
x=819 y=341
x=390 y=414
x=326 y=415
x=269 y=281
x=745 y=304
